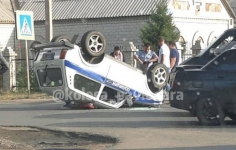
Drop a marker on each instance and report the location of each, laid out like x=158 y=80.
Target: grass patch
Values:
x=23 y=95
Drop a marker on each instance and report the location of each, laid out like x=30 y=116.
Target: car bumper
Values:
x=182 y=99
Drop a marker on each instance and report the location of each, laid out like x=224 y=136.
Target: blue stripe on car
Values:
x=108 y=82
x=89 y=74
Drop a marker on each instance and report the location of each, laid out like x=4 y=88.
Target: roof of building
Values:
x=233 y=5
x=74 y=9
x=6 y=12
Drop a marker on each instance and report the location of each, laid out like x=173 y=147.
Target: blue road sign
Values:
x=25 y=25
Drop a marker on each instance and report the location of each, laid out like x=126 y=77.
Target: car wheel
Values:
x=157 y=77
x=35 y=43
x=232 y=116
x=209 y=112
x=61 y=38
x=93 y=43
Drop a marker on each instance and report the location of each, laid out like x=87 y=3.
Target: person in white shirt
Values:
x=164 y=53
x=164 y=57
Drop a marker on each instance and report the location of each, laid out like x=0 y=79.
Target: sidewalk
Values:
x=25 y=101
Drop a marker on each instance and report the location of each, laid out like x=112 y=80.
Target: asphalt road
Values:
x=137 y=128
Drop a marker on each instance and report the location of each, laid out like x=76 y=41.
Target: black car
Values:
x=205 y=85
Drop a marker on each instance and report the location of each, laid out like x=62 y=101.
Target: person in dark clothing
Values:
x=117 y=54
x=174 y=55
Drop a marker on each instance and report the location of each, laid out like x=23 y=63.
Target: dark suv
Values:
x=205 y=85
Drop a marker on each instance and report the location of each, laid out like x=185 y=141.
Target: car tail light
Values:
x=176 y=84
x=63 y=53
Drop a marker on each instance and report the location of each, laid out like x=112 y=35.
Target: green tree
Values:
x=160 y=24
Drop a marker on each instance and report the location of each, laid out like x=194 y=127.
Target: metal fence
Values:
x=21 y=76
x=186 y=56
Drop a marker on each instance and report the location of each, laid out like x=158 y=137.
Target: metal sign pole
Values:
x=25 y=31
x=27 y=67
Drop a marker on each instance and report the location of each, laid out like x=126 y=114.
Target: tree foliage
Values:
x=160 y=24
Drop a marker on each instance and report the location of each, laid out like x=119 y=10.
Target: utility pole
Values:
x=48 y=21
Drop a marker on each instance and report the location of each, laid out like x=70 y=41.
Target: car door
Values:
x=223 y=70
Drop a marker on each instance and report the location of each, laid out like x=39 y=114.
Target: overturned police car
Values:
x=208 y=82
x=83 y=73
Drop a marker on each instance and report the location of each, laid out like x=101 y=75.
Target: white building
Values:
x=7 y=25
x=232 y=4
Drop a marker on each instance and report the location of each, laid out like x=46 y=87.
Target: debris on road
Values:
x=29 y=138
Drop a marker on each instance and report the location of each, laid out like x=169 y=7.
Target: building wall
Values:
x=190 y=30
x=7 y=38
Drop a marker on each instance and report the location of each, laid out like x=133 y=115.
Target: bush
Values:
x=21 y=79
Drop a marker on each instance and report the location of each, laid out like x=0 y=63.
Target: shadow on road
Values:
x=115 y=114
x=32 y=107
x=142 y=124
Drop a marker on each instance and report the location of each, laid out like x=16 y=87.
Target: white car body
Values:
x=110 y=72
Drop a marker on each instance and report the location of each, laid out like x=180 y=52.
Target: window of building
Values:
x=198 y=6
x=182 y=43
x=181 y=5
x=212 y=7
x=198 y=46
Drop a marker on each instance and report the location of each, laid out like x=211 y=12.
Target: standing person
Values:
x=145 y=57
x=164 y=56
x=117 y=54
x=164 y=53
x=174 y=55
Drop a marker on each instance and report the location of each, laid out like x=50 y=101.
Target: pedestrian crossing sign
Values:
x=25 y=25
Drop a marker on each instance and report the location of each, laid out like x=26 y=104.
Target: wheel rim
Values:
x=63 y=40
x=95 y=43
x=160 y=76
x=209 y=110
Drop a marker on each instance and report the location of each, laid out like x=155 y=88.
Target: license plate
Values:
x=47 y=56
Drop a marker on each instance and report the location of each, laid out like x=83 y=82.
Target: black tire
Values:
x=210 y=112
x=232 y=116
x=93 y=48
x=35 y=43
x=157 y=76
x=60 y=38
